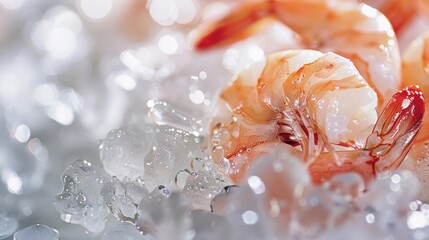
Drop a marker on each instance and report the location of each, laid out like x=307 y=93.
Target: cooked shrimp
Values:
x=415 y=71
x=350 y=29
x=415 y=64
x=135 y=20
x=408 y=18
x=399 y=12
x=315 y=101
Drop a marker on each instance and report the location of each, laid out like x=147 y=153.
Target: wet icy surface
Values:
x=123 y=197
x=123 y=150
x=125 y=231
x=81 y=202
x=37 y=232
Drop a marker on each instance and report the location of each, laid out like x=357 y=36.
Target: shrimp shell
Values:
x=352 y=30
x=312 y=100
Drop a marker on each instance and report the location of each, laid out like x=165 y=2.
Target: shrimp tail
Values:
x=396 y=128
x=242 y=22
x=391 y=139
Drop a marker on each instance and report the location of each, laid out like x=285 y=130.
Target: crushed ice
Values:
x=163 y=184
x=37 y=232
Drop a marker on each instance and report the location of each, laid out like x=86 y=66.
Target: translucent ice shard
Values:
x=321 y=204
x=171 y=153
x=392 y=191
x=265 y=205
x=8 y=226
x=350 y=185
x=37 y=232
x=80 y=201
x=163 y=113
x=124 y=231
x=164 y=217
x=201 y=187
x=421 y=170
x=123 y=197
x=123 y=151
x=386 y=201
x=353 y=230
x=219 y=203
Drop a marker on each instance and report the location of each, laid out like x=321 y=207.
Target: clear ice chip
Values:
x=123 y=197
x=163 y=113
x=201 y=187
x=123 y=151
x=164 y=216
x=80 y=201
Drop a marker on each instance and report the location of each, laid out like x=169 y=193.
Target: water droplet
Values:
x=218 y=153
x=180 y=178
x=225 y=164
x=215 y=140
x=197 y=164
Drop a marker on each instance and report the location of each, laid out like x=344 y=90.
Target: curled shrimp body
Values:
x=350 y=29
x=312 y=104
x=408 y=18
x=415 y=62
x=415 y=71
x=399 y=12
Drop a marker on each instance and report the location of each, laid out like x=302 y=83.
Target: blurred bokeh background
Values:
x=72 y=70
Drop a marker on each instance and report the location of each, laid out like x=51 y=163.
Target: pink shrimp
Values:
x=415 y=70
x=350 y=29
x=317 y=103
x=399 y=12
x=409 y=18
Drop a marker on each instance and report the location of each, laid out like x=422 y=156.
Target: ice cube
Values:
x=280 y=179
x=123 y=151
x=200 y=189
x=164 y=217
x=163 y=113
x=386 y=201
x=220 y=202
x=37 y=232
x=80 y=201
x=171 y=153
x=8 y=226
x=123 y=197
x=420 y=168
x=263 y=207
x=321 y=210
x=353 y=230
x=391 y=191
x=124 y=231
x=350 y=185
